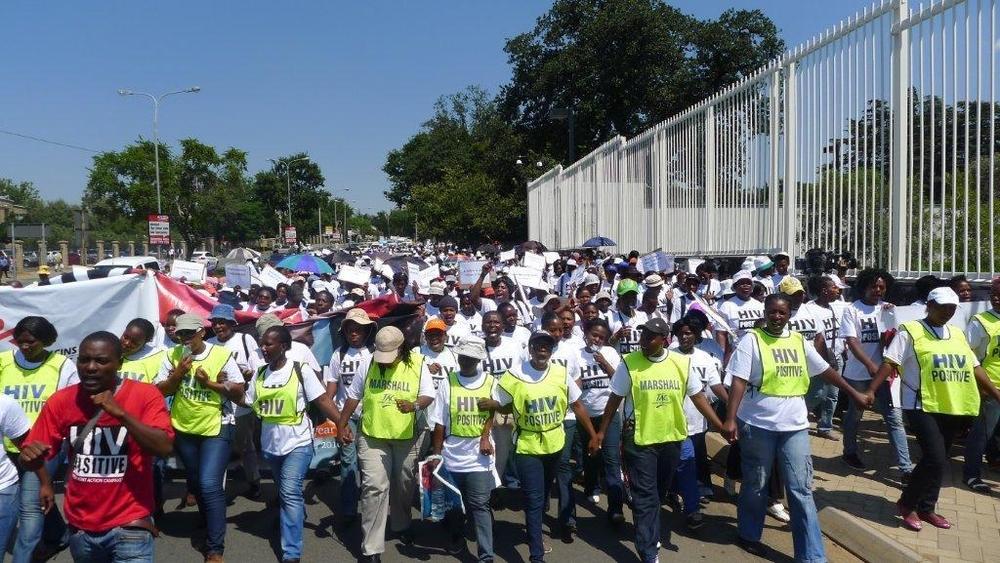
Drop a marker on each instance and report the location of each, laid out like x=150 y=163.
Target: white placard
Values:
x=238 y=275
x=508 y=255
x=270 y=277
x=429 y=274
x=657 y=261
x=551 y=257
x=351 y=274
x=190 y=271
x=412 y=272
x=527 y=277
x=468 y=272
x=532 y=260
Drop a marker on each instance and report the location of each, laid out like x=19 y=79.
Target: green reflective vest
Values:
x=539 y=409
x=991 y=362
x=658 y=392
x=947 y=374
x=278 y=404
x=143 y=369
x=465 y=418
x=783 y=359
x=196 y=409
x=379 y=416
x=29 y=387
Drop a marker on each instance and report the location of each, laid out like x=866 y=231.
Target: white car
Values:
x=142 y=262
x=206 y=258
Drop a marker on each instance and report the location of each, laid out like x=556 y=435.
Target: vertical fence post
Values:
x=898 y=253
x=791 y=149
x=708 y=229
x=774 y=136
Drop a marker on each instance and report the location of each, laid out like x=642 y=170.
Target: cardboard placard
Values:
x=532 y=260
x=551 y=257
x=429 y=274
x=270 y=277
x=412 y=272
x=468 y=272
x=238 y=275
x=657 y=261
x=508 y=255
x=190 y=271
x=527 y=277
x=351 y=274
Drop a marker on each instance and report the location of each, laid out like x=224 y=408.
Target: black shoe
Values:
x=853 y=461
x=904 y=477
x=978 y=485
x=752 y=547
x=567 y=533
x=617 y=519
x=695 y=520
x=457 y=544
x=348 y=521
x=253 y=491
x=377 y=558
x=406 y=537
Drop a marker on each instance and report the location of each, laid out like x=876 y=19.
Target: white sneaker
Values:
x=730 y=486
x=777 y=510
x=595 y=499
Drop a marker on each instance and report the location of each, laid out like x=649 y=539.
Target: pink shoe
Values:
x=910 y=519
x=935 y=519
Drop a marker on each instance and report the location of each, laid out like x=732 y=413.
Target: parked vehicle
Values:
x=143 y=262
x=205 y=257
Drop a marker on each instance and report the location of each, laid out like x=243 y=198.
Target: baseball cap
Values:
x=790 y=285
x=223 y=312
x=190 y=321
x=939 y=295
x=265 y=322
x=656 y=325
x=653 y=280
x=742 y=275
x=388 y=340
x=436 y=288
x=435 y=324
x=837 y=281
x=571 y=262
x=471 y=346
x=781 y=253
x=626 y=286
x=541 y=335
x=602 y=295
x=359 y=316
x=591 y=279
x=762 y=263
x=726 y=287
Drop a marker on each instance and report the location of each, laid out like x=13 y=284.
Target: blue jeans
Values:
x=611 y=456
x=564 y=478
x=982 y=430
x=476 y=487
x=893 y=419
x=289 y=471
x=205 y=459
x=117 y=545
x=687 y=478
x=537 y=473
x=10 y=506
x=350 y=490
x=32 y=522
x=645 y=466
x=822 y=398
x=760 y=448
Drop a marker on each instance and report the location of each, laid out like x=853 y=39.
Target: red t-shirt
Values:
x=110 y=482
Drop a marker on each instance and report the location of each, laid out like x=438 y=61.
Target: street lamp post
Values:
x=344 y=235
x=288 y=180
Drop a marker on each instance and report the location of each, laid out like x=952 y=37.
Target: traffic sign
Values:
x=290 y=237
x=159 y=229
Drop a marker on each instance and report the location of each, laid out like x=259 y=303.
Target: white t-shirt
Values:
x=445 y=358
x=461 y=455
x=13 y=424
x=629 y=342
x=828 y=323
x=900 y=352
x=779 y=414
x=804 y=323
x=486 y=305
x=233 y=376
x=977 y=336
x=861 y=321
x=621 y=383
x=526 y=372
x=709 y=370
x=474 y=322
x=503 y=357
x=247 y=355
x=280 y=439
x=456 y=332
x=343 y=370
x=713 y=287
x=567 y=354
x=520 y=335
x=595 y=383
x=741 y=315
x=67 y=373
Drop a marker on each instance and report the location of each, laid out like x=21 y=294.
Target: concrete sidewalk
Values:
x=871 y=496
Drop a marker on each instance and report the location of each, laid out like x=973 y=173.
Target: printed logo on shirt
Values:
x=594 y=378
x=542 y=411
x=103 y=456
x=949 y=368
x=701 y=372
x=786 y=362
x=28 y=396
x=271 y=406
x=869 y=331
x=746 y=320
x=497 y=366
x=630 y=343
x=806 y=327
x=468 y=413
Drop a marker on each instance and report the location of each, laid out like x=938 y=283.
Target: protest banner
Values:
x=352 y=274
x=188 y=271
x=528 y=277
x=532 y=260
x=468 y=272
x=270 y=277
x=508 y=256
x=238 y=275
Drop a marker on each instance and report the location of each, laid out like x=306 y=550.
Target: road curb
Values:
x=848 y=531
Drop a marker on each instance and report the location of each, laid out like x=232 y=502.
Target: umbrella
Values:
x=488 y=249
x=533 y=245
x=399 y=263
x=305 y=263
x=341 y=257
x=599 y=241
x=242 y=254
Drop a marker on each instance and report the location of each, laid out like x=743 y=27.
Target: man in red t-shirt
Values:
x=109 y=489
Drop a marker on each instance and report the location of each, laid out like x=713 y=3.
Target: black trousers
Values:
x=935 y=433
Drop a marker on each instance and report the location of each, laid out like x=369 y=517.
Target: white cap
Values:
x=591 y=279
x=943 y=296
x=548 y=298
x=436 y=288
x=571 y=262
x=471 y=346
x=602 y=295
x=837 y=281
x=653 y=280
x=782 y=253
x=762 y=263
x=747 y=264
x=742 y=275
x=727 y=287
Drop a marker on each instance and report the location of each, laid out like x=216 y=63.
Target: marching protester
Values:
x=204 y=381
x=983 y=335
x=14 y=427
x=822 y=396
x=109 y=498
x=941 y=386
x=393 y=390
x=502 y=353
x=626 y=319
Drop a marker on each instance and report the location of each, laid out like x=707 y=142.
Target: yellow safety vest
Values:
x=143 y=369
x=196 y=409
x=785 y=372
x=278 y=404
x=539 y=409
x=29 y=387
x=465 y=418
x=947 y=374
x=658 y=392
x=379 y=416
x=991 y=362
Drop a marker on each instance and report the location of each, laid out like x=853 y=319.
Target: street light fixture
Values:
x=288 y=179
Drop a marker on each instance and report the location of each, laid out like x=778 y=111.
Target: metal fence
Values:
x=877 y=137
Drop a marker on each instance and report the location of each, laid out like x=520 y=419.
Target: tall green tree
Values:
x=271 y=189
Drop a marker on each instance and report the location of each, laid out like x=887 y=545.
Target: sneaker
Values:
x=935 y=519
x=406 y=537
x=730 y=486
x=854 y=461
x=546 y=548
x=826 y=435
x=694 y=520
x=567 y=533
x=777 y=510
x=253 y=492
x=376 y=558
x=752 y=547
x=596 y=499
x=978 y=485
x=617 y=519
x=904 y=476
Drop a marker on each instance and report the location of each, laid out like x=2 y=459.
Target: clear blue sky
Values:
x=344 y=81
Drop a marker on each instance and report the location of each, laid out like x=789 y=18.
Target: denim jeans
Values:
x=686 y=478
x=32 y=522
x=982 y=430
x=117 y=545
x=645 y=465
x=564 y=478
x=350 y=487
x=610 y=455
x=205 y=459
x=893 y=418
x=822 y=398
x=289 y=471
x=760 y=448
x=476 y=487
x=537 y=473
x=10 y=506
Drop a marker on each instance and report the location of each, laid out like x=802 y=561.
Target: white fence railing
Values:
x=877 y=137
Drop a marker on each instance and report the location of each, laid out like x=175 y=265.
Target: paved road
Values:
x=253 y=534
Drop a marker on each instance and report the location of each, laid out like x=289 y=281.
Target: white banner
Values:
x=80 y=308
